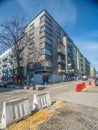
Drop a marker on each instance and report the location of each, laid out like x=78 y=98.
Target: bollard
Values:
x=31 y=86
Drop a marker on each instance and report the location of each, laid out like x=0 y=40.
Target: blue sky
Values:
x=79 y=18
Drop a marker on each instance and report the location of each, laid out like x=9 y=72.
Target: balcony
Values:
x=60 y=42
x=45 y=34
x=30 y=60
x=61 y=70
x=5 y=59
x=44 y=68
x=30 y=51
x=4 y=70
x=61 y=51
x=49 y=25
x=61 y=61
x=5 y=66
x=39 y=68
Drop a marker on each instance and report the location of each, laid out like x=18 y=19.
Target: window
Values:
x=49 y=31
x=31 y=46
x=59 y=31
x=46 y=29
x=46 y=40
x=31 y=56
x=48 y=63
x=42 y=39
x=32 y=35
x=42 y=18
x=42 y=29
x=58 y=38
x=46 y=19
x=31 y=27
x=46 y=51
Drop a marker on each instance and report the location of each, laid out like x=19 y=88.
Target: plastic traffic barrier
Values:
x=41 y=100
x=80 y=87
x=84 y=85
x=14 y=111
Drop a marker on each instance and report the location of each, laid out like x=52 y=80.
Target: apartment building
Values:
x=48 y=52
x=47 y=37
x=6 y=64
x=92 y=72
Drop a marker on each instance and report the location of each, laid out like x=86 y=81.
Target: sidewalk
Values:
x=84 y=98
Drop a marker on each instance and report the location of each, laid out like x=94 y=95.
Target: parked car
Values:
x=11 y=84
x=96 y=81
x=1 y=84
x=84 y=77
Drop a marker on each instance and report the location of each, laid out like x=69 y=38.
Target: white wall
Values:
x=56 y=78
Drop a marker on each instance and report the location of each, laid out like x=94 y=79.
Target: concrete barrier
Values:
x=14 y=111
x=41 y=100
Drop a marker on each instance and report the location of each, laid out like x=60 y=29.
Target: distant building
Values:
x=92 y=72
x=6 y=64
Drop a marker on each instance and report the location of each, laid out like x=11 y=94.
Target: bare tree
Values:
x=12 y=32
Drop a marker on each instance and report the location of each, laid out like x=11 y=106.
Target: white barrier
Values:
x=41 y=100
x=14 y=111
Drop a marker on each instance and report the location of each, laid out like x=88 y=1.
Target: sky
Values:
x=79 y=19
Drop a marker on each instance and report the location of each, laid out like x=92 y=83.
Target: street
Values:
x=7 y=94
x=68 y=113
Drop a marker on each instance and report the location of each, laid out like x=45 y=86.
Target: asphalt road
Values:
x=7 y=94
x=80 y=111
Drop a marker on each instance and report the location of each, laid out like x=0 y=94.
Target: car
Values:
x=11 y=84
x=1 y=84
x=84 y=77
x=96 y=81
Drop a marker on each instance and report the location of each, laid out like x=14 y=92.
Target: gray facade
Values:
x=50 y=52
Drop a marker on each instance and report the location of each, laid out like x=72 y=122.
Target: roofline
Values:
x=51 y=17
x=34 y=18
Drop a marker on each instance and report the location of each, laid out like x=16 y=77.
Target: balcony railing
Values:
x=45 y=23
x=5 y=65
x=60 y=50
x=40 y=68
x=44 y=68
x=61 y=70
x=60 y=42
x=60 y=60
x=5 y=59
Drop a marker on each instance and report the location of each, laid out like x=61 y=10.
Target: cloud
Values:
x=91 y=46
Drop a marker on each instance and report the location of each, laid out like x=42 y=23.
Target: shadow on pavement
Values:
x=2 y=89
